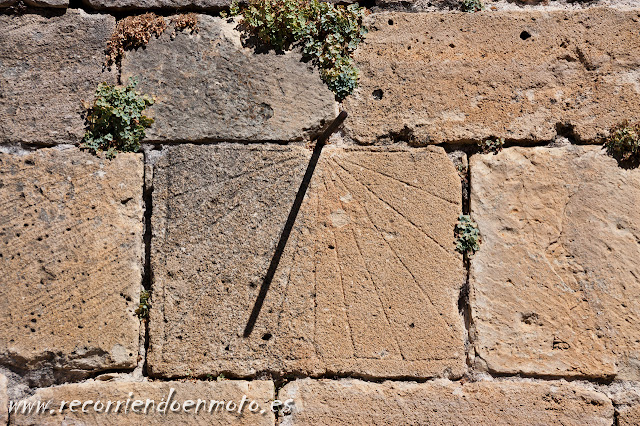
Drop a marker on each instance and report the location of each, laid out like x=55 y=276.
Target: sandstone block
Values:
x=368 y=282
x=169 y=4
x=257 y=397
x=209 y=87
x=554 y=286
x=49 y=65
x=70 y=260
x=450 y=77
x=153 y=4
x=4 y=401
x=627 y=403
x=48 y=3
x=354 y=402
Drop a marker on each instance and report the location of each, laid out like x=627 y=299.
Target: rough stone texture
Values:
x=629 y=416
x=368 y=283
x=353 y=402
x=7 y=3
x=458 y=76
x=49 y=65
x=627 y=403
x=169 y=4
x=500 y=5
x=70 y=260
x=4 y=401
x=262 y=392
x=151 y=4
x=48 y=3
x=555 y=283
x=209 y=87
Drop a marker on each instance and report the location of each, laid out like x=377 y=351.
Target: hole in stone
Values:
x=412 y=325
x=377 y=94
x=267 y=336
x=452 y=45
x=331 y=247
x=390 y=21
x=524 y=35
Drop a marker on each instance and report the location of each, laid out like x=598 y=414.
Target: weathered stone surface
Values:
x=46 y=72
x=354 y=402
x=502 y=5
x=169 y=4
x=554 y=286
x=368 y=282
x=149 y=4
x=627 y=403
x=7 y=3
x=48 y=3
x=70 y=260
x=229 y=391
x=518 y=75
x=4 y=401
x=209 y=87
x=629 y=416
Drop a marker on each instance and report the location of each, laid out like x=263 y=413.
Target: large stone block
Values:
x=627 y=403
x=49 y=65
x=354 y=402
x=209 y=87
x=367 y=285
x=169 y=4
x=227 y=402
x=4 y=401
x=70 y=260
x=431 y=78
x=554 y=286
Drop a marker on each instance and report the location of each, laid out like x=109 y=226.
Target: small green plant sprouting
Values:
x=491 y=145
x=142 y=311
x=467 y=235
x=115 y=121
x=327 y=34
x=220 y=377
x=623 y=143
x=471 y=6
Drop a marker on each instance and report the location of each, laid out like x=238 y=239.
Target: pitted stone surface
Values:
x=229 y=392
x=48 y=3
x=70 y=260
x=354 y=402
x=169 y=4
x=4 y=401
x=49 y=65
x=209 y=87
x=554 y=287
x=448 y=77
x=368 y=283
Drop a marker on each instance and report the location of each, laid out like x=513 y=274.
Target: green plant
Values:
x=142 y=311
x=467 y=235
x=623 y=143
x=471 y=6
x=327 y=34
x=115 y=121
x=491 y=145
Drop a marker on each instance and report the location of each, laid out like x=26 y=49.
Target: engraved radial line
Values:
x=422 y=290
x=286 y=286
x=394 y=209
x=370 y=275
x=339 y=271
x=218 y=219
x=315 y=286
x=236 y=177
x=402 y=181
x=203 y=288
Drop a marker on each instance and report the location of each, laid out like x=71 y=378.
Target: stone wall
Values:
x=368 y=314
